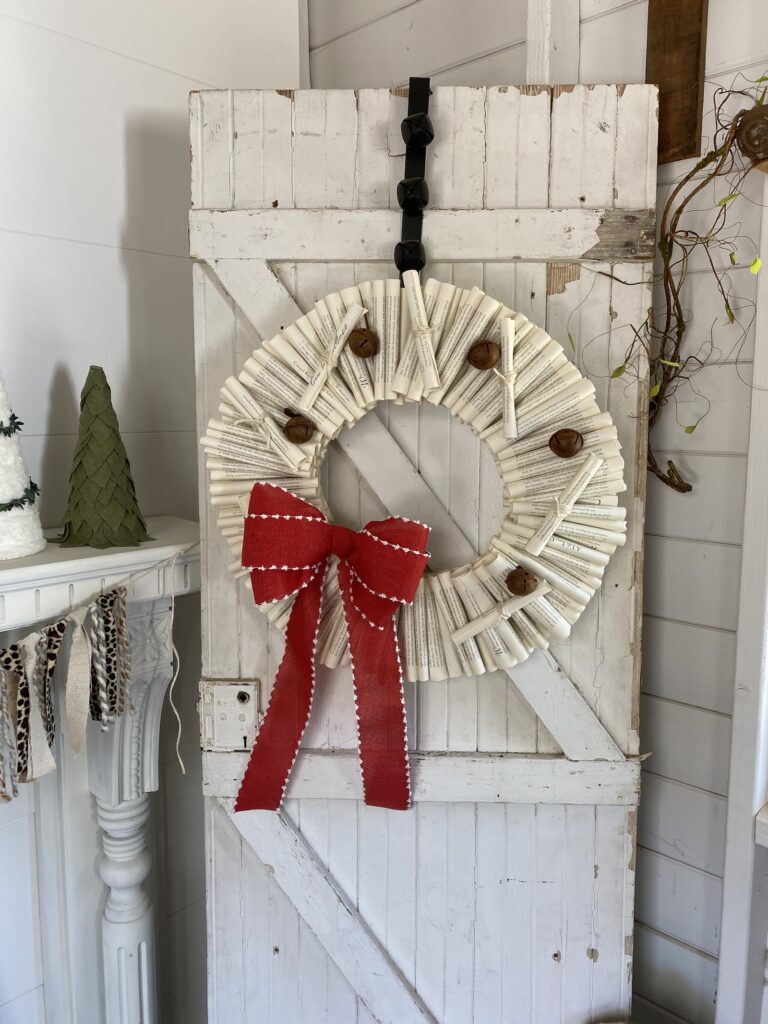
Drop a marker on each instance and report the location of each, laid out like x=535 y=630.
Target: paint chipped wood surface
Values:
x=488 y=235
x=493 y=911
x=457 y=778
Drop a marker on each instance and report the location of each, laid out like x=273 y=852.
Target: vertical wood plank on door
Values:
x=580 y=948
x=492 y=845
x=372 y=867
x=612 y=914
x=258 y=893
x=460 y=912
x=224 y=879
x=372 y=158
x=401 y=883
x=518 y=914
x=431 y=920
x=217 y=186
x=248 y=149
x=517 y=147
x=310 y=178
x=277 y=135
x=215 y=359
x=548 y=940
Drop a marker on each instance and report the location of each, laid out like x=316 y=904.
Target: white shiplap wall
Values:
x=94 y=268
x=693 y=542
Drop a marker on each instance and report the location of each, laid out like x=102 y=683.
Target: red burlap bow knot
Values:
x=286 y=547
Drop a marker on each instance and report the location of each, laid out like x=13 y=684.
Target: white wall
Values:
x=693 y=542
x=94 y=194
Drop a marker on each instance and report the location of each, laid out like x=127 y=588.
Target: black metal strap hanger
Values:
x=412 y=191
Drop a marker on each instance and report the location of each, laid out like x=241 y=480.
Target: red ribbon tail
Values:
x=287 y=714
x=381 y=718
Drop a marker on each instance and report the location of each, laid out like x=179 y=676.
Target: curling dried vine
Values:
x=740 y=144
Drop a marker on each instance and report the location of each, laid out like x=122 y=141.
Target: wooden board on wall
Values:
x=677 y=42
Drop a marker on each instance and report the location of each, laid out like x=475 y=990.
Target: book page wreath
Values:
x=557 y=453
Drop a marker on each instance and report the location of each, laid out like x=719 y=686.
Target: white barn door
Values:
x=506 y=894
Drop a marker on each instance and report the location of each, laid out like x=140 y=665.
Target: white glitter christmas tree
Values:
x=20 y=530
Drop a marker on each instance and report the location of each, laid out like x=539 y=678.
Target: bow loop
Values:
x=286 y=547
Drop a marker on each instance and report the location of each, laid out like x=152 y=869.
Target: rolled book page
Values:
x=508 y=376
x=562 y=505
x=498 y=644
x=277 y=395
x=560 y=581
x=405 y=331
x=541 y=614
x=353 y=369
x=275 y=440
x=408 y=370
x=553 y=384
x=421 y=330
x=391 y=339
x=421 y=637
x=463 y=308
x=377 y=320
x=551 y=473
x=329 y=363
x=452 y=662
x=324 y=327
x=439 y=314
x=294 y=349
x=452 y=611
x=279 y=379
x=528 y=633
x=501 y=610
x=408 y=643
x=587 y=535
x=440 y=663
x=578 y=398
x=594 y=440
x=455 y=360
x=472 y=380
x=310 y=328
x=519 y=534
x=223 y=452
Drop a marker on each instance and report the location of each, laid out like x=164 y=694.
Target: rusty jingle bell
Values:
x=484 y=355
x=363 y=343
x=566 y=443
x=298 y=429
x=521 y=582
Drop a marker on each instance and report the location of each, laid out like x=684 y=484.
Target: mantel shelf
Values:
x=50 y=583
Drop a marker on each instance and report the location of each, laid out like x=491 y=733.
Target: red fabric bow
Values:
x=286 y=547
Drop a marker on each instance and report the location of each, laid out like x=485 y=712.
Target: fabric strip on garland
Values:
x=96 y=681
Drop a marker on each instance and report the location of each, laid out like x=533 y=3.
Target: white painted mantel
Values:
x=121 y=772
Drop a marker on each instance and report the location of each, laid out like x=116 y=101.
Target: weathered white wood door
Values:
x=506 y=895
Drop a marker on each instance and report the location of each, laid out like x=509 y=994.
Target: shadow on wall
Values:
x=63 y=406
x=159 y=377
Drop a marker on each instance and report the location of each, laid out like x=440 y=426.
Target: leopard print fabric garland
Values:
x=109 y=674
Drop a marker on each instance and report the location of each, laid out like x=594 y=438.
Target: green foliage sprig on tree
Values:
x=103 y=511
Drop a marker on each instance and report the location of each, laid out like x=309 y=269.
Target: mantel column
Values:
x=123 y=771
x=128 y=932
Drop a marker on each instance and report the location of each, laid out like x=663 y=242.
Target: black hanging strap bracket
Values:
x=412 y=191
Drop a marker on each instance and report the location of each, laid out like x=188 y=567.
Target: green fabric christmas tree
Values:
x=102 y=510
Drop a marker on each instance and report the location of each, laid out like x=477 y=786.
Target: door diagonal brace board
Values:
x=339 y=928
